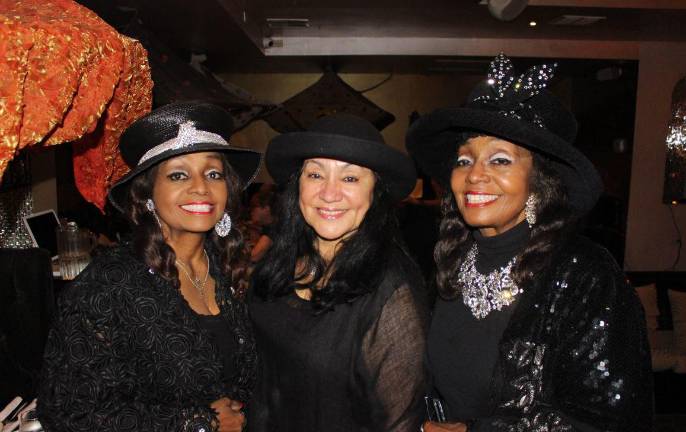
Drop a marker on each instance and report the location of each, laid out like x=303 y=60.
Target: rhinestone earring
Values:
x=530 y=209
x=150 y=205
x=223 y=227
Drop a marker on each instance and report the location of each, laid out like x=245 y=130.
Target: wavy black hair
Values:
x=148 y=241
x=355 y=269
x=555 y=221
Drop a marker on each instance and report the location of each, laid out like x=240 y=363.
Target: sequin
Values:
x=510 y=94
x=186 y=136
x=570 y=357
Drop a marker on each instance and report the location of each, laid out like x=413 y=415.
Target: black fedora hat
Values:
x=342 y=137
x=519 y=110
x=177 y=129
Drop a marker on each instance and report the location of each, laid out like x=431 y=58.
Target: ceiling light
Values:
x=288 y=22
x=532 y=23
x=577 y=20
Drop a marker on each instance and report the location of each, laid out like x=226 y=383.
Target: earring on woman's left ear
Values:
x=223 y=227
x=530 y=209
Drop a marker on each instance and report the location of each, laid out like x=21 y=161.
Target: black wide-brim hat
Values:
x=177 y=129
x=528 y=115
x=347 y=138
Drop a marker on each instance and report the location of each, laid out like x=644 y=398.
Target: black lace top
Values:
x=126 y=352
x=356 y=368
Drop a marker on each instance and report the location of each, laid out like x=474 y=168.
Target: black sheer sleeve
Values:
x=392 y=361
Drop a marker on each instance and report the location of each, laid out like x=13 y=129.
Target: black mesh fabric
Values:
x=356 y=368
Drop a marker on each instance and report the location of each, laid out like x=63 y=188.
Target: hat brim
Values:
x=286 y=153
x=245 y=162
x=432 y=142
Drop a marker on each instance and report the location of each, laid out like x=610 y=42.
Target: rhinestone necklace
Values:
x=485 y=293
x=197 y=283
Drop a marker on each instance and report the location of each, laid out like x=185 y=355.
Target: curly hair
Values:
x=353 y=272
x=555 y=221
x=148 y=240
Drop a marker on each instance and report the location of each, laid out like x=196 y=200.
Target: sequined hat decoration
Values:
x=186 y=137
x=510 y=95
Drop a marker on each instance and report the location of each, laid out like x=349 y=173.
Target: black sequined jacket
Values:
x=126 y=353
x=574 y=356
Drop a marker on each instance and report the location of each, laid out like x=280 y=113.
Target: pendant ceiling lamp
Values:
x=329 y=95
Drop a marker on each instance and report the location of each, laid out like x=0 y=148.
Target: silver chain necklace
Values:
x=197 y=283
x=485 y=293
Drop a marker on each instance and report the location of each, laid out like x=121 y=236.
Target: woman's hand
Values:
x=229 y=414
x=444 y=427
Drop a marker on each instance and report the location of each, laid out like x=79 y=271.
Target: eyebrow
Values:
x=347 y=164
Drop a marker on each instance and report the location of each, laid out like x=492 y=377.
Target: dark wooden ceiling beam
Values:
x=428 y=46
x=613 y=4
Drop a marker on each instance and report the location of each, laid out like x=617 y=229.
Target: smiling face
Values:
x=190 y=192
x=334 y=198
x=490 y=182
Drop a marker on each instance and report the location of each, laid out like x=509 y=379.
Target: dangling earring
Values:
x=530 y=209
x=150 y=205
x=223 y=227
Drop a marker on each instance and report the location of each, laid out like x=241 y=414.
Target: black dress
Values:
x=462 y=350
x=570 y=355
x=355 y=368
x=126 y=352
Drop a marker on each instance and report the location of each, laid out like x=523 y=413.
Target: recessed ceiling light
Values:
x=577 y=20
x=288 y=22
x=532 y=23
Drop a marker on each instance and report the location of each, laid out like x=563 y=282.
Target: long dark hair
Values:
x=148 y=241
x=355 y=269
x=554 y=221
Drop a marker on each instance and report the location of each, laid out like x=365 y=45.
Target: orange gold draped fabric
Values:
x=67 y=76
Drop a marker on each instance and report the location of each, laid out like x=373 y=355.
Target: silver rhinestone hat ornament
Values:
x=483 y=294
x=187 y=136
x=509 y=94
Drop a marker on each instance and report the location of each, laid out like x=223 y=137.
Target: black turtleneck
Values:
x=462 y=350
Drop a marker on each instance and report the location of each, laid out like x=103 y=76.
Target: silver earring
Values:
x=150 y=205
x=530 y=209
x=223 y=227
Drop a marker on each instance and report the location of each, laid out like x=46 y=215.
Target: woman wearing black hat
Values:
x=536 y=328
x=336 y=301
x=149 y=337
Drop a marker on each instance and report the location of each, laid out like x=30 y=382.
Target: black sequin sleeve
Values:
x=587 y=366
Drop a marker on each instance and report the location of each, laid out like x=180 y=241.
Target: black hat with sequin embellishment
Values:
x=516 y=109
x=176 y=129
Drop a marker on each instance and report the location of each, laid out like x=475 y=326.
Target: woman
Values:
x=335 y=301
x=536 y=328
x=149 y=337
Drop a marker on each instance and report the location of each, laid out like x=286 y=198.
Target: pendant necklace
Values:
x=197 y=283
x=485 y=293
